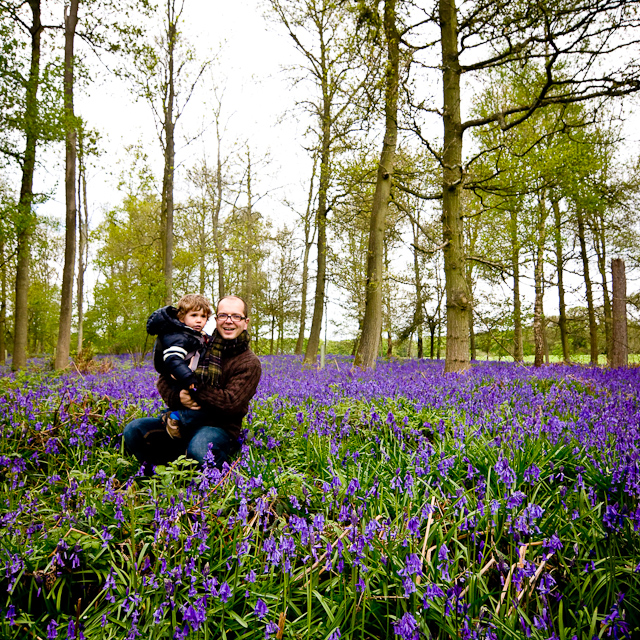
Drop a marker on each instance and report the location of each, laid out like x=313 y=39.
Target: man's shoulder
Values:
x=250 y=356
x=246 y=359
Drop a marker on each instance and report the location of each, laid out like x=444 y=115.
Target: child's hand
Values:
x=187 y=401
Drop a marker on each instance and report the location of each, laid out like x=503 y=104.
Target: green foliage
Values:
x=130 y=285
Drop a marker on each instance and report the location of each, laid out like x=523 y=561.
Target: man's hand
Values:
x=187 y=401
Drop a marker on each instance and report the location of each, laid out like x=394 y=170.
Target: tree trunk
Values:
x=518 y=350
x=216 y=217
x=593 y=329
x=66 y=297
x=619 y=343
x=458 y=302
x=26 y=218
x=311 y=353
x=202 y=249
x=545 y=340
x=439 y=341
x=305 y=265
x=372 y=325
x=432 y=337
x=3 y=304
x=601 y=252
x=280 y=348
x=248 y=246
x=83 y=239
x=538 y=314
x=273 y=329
x=418 y=318
x=472 y=338
x=562 y=310
x=169 y=157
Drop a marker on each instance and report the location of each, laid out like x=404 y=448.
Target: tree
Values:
x=321 y=32
x=66 y=300
x=26 y=219
x=130 y=282
x=306 y=220
x=87 y=145
x=620 y=344
x=372 y=323
x=163 y=78
x=7 y=256
x=282 y=301
x=564 y=44
x=562 y=307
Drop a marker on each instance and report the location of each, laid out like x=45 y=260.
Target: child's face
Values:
x=196 y=319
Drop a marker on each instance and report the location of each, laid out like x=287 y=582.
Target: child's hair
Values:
x=193 y=302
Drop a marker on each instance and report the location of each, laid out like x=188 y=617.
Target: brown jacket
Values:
x=228 y=403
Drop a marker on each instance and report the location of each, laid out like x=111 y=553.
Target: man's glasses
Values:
x=235 y=317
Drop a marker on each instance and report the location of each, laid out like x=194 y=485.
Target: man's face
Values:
x=228 y=328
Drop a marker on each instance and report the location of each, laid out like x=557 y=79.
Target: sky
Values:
x=246 y=71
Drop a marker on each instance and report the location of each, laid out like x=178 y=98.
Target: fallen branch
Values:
x=426 y=537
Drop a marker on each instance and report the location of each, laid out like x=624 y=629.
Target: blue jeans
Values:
x=148 y=440
x=191 y=419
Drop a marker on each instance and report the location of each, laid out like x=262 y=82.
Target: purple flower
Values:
x=554 y=543
x=353 y=487
x=52 y=630
x=261 y=609
x=504 y=471
x=335 y=634
x=412 y=565
x=224 y=592
x=159 y=613
x=612 y=518
x=196 y=614
x=406 y=627
x=11 y=614
x=181 y=634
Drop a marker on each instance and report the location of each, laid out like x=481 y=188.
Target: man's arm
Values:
x=237 y=392
x=169 y=393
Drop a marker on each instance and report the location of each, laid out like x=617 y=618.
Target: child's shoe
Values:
x=172 y=424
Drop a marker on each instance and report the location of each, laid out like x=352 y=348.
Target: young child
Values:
x=176 y=352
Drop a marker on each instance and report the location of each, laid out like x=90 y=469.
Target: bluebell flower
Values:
x=406 y=627
x=224 y=592
x=261 y=609
x=270 y=629
x=52 y=630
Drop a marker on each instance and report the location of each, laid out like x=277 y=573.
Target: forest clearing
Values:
x=395 y=503
x=417 y=221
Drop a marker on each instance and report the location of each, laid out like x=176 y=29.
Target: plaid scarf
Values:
x=209 y=367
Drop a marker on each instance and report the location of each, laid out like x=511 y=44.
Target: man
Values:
x=228 y=374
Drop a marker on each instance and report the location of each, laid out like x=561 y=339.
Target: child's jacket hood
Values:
x=165 y=320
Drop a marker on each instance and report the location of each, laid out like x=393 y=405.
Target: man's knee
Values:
x=148 y=441
x=214 y=440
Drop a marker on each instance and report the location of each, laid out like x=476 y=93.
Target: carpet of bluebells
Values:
x=399 y=503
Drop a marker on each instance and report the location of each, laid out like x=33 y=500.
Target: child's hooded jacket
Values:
x=175 y=346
